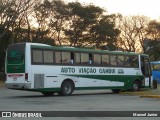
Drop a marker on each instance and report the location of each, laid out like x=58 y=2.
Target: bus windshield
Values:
x=15 y=54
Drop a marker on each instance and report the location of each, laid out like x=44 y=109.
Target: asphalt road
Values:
x=102 y=100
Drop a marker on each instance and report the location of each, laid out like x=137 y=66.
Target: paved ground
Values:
x=1 y=84
x=148 y=93
x=102 y=100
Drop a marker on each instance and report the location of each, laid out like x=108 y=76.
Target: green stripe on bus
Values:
x=119 y=78
x=126 y=79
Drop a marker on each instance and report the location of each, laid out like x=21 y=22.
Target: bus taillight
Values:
x=14 y=75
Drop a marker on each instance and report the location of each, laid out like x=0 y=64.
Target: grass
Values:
x=149 y=93
x=1 y=83
x=151 y=96
x=141 y=92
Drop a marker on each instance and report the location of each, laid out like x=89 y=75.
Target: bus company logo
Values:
x=120 y=71
x=6 y=114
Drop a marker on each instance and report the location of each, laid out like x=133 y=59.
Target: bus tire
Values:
x=67 y=88
x=47 y=93
x=116 y=91
x=136 y=86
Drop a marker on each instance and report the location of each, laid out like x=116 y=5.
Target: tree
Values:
x=153 y=39
x=42 y=33
x=104 y=32
x=80 y=20
x=133 y=32
x=11 y=11
x=153 y=30
x=88 y=26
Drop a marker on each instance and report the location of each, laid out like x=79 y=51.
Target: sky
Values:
x=150 y=8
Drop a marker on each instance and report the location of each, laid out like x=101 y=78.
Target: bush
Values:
x=2 y=76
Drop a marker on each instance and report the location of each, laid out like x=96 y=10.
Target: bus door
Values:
x=146 y=70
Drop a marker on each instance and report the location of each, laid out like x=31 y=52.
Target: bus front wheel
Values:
x=135 y=86
x=67 y=88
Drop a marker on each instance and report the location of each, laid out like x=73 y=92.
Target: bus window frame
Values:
x=32 y=60
x=96 y=64
x=80 y=64
x=131 y=66
x=42 y=63
x=103 y=63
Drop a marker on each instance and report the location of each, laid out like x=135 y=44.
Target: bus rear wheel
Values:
x=67 y=88
x=47 y=93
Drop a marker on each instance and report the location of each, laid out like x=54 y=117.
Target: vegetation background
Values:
x=56 y=22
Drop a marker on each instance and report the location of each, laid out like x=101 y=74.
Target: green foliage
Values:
x=104 y=31
x=153 y=41
x=55 y=22
x=88 y=25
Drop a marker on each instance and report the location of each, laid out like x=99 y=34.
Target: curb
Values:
x=144 y=93
x=151 y=96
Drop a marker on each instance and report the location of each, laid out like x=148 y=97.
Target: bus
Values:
x=155 y=67
x=54 y=69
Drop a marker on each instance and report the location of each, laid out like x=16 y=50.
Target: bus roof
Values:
x=75 y=49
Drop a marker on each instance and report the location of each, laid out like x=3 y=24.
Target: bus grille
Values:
x=38 y=80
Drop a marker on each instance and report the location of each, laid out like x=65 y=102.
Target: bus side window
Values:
x=90 y=59
x=105 y=60
x=58 y=57
x=132 y=61
x=37 y=56
x=77 y=58
x=66 y=57
x=120 y=60
x=97 y=59
x=113 y=59
x=48 y=56
x=128 y=61
x=84 y=58
x=72 y=58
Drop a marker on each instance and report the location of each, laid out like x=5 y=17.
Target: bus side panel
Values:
x=53 y=76
x=28 y=67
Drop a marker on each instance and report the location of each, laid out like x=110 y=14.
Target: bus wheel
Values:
x=116 y=90
x=48 y=93
x=135 y=86
x=67 y=88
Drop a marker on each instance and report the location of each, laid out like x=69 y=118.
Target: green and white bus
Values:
x=51 y=69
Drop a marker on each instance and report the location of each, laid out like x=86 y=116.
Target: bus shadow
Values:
x=57 y=95
x=90 y=94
